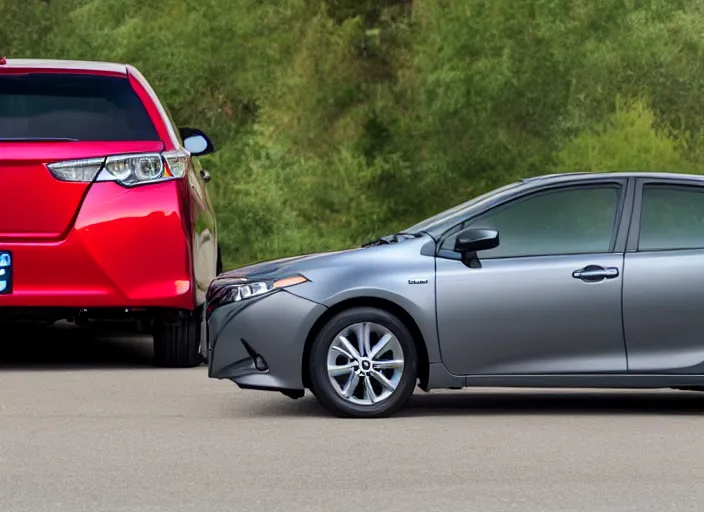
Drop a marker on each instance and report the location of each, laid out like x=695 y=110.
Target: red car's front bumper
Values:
x=126 y=248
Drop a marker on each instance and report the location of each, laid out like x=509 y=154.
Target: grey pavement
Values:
x=86 y=424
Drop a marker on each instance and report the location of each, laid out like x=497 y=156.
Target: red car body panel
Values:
x=39 y=206
x=101 y=244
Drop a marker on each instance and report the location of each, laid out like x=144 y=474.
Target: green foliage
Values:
x=340 y=120
x=22 y=26
x=627 y=141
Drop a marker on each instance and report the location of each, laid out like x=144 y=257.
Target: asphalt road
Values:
x=86 y=424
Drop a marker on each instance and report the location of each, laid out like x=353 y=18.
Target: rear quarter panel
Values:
x=203 y=231
x=197 y=209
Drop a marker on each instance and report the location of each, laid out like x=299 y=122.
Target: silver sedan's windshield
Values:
x=427 y=224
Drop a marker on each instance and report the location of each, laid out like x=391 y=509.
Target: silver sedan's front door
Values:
x=547 y=300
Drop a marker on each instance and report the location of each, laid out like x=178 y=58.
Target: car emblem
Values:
x=417 y=281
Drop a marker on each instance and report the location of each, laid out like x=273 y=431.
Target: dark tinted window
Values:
x=73 y=106
x=569 y=221
x=671 y=218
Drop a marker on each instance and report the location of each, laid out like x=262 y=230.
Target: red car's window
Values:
x=80 y=107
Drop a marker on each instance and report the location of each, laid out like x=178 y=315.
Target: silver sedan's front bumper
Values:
x=272 y=330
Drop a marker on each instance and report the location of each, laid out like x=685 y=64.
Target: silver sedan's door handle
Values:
x=595 y=273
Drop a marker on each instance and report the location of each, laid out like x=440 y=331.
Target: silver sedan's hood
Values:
x=265 y=270
x=355 y=260
x=277 y=267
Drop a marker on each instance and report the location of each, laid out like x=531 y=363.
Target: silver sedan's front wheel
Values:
x=364 y=363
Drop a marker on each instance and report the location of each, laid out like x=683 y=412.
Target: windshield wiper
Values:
x=391 y=239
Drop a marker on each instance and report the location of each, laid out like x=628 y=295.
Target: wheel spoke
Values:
x=382 y=380
x=381 y=346
x=369 y=391
x=363 y=334
x=342 y=351
x=367 y=337
x=350 y=385
x=335 y=370
x=351 y=352
x=389 y=364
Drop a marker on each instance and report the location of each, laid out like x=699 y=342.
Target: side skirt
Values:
x=605 y=381
x=440 y=378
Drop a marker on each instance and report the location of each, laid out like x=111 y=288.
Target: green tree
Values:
x=341 y=120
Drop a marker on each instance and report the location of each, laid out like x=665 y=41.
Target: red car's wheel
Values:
x=177 y=341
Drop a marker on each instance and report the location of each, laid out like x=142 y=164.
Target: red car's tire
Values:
x=177 y=342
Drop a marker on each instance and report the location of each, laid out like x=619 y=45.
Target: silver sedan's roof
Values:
x=442 y=221
x=74 y=65
x=571 y=176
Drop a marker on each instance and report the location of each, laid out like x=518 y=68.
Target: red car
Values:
x=104 y=212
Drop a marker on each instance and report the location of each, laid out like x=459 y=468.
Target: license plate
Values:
x=5 y=272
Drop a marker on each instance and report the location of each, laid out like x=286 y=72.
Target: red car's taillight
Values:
x=127 y=170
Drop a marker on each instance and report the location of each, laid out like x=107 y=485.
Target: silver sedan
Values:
x=578 y=280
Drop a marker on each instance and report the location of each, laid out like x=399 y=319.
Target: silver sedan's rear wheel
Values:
x=364 y=364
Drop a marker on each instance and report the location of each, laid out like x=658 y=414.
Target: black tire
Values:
x=177 y=341
x=323 y=389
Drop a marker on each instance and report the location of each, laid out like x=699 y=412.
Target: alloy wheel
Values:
x=365 y=363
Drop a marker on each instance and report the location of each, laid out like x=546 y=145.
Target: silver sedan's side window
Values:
x=671 y=218
x=566 y=221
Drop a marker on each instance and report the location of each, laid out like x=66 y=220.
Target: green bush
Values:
x=337 y=121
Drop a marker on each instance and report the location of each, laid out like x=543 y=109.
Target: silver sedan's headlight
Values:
x=241 y=291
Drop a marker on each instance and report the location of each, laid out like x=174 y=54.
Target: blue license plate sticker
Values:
x=5 y=272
